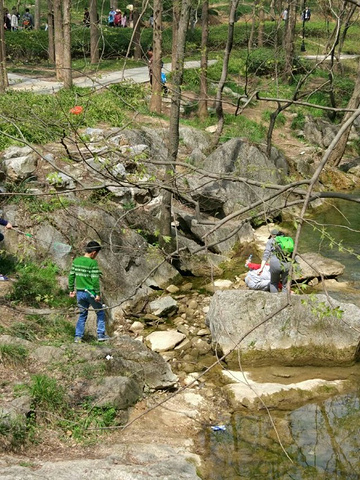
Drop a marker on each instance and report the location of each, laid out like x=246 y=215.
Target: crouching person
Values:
x=256 y=280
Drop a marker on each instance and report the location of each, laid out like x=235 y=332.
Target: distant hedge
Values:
x=33 y=45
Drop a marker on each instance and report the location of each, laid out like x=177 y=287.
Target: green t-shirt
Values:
x=85 y=275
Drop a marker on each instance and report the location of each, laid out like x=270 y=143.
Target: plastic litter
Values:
x=218 y=428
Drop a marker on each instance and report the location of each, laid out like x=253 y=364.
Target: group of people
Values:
x=13 y=21
x=272 y=274
x=117 y=18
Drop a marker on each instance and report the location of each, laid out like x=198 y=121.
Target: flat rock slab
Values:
x=244 y=392
x=130 y=463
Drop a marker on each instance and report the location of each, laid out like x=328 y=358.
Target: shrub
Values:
x=13 y=432
x=47 y=394
x=298 y=122
x=37 y=284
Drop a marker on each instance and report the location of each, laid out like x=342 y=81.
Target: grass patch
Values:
x=49 y=327
x=39 y=125
x=14 y=433
x=242 y=127
x=12 y=355
x=47 y=394
x=37 y=285
x=280 y=119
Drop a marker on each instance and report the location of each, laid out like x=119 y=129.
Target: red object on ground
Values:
x=76 y=110
x=253 y=266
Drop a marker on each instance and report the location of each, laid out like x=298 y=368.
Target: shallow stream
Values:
x=319 y=440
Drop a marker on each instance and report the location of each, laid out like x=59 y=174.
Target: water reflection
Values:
x=342 y=222
x=326 y=436
x=322 y=439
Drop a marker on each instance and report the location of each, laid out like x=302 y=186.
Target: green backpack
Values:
x=285 y=245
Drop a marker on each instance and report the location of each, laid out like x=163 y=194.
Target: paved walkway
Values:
x=100 y=80
x=328 y=57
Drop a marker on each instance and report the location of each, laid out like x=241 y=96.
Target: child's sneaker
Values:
x=104 y=338
x=77 y=340
x=3 y=278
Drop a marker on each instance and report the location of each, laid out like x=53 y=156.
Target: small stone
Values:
x=223 y=283
x=172 y=289
x=137 y=327
x=203 y=332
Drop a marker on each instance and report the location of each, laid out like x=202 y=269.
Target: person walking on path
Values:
x=84 y=283
x=280 y=262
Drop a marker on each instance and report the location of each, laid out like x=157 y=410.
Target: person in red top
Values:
x=117 y=18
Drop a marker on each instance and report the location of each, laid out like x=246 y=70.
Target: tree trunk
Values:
x=50 y=21
x=94 y=33
x=289 y=40
x=175 y=26
x=228 y=48
x=137 y=31
x=349 y=15
x=338 y=151
x=203 y=112
x=165 y=223
x=261 y=27
x=67 y=43
x=253 y=24
x=3 y=74
x=59 y=39
x=156 y=87
x=37 y=15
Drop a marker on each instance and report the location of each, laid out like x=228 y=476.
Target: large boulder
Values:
x=313 y=264
x=236 y=159
x=267 y=331
x=221 y=239
x=319 y=131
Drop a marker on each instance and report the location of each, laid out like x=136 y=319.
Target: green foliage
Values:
x=12 y=354
x=37 y=285
x=8 y=263
x=47 y=394
x=46 y=327
x=39 y=125
x=242 y=127
x=298 y=122
x=93 y=417
x=280 y=119
x=13 y=433
x=32 y=46
x=131 y=93
x=321 y=309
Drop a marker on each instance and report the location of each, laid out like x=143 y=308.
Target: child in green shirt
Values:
x=84 y=283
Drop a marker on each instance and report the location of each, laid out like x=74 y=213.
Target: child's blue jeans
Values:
x=85 y=300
